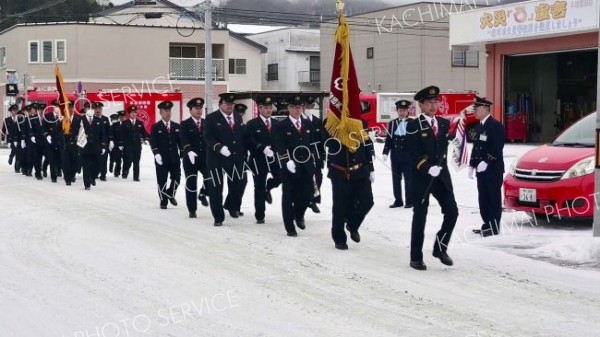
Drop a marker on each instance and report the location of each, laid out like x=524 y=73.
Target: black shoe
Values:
x=234 y=214
x=53 y=180
x=38 y=177
x=68 y=183
x=87 y=188
x=59 y=174
x=268 y=197
x=218 y=224
x=193 y=215
x=203 y=200
x=110 y=168
x=397 y=204
x=240 y=213
x=163 y=206
x=408 y=206
x=314 y=207
x=10 y=160
x=45 y=174
x=294 y=234
x=260 y=221
x=477 y=231
x=136 y=179
x=444 y=258
x=102 y=178
x=353 y=235
x=93 y=182
x=300 y=224
x=124 y=176
x=341 y=246
x=173 y=201
x=73 y=180
x=418 y=265
x=487 y=233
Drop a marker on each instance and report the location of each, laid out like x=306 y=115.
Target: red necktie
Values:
x=269 y=125
x=434 y=127
x=168 y=128
x=298 y=126
x=90 y=120
x=230 y=122
x=198 y=125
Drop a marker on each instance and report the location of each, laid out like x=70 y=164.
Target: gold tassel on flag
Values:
x=344 y=112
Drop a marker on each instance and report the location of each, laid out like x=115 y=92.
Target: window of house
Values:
x=34 y=51
x=183 y=51
x=315 y=69
x=370 y=53
x=47 y=51
x=465 y=58
x=61 y=51
x=2 y=57
x=237 y=66
x=273 y=72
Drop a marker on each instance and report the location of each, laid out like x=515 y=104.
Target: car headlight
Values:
x=513 y=167
x=581 y=168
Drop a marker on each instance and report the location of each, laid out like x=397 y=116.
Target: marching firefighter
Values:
x=194 y=161
x=262 y=156
x=133 y=134
x=165 y=142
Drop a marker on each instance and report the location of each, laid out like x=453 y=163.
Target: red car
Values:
x=556 y=178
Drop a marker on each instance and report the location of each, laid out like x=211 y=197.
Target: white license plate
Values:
x=527 y=195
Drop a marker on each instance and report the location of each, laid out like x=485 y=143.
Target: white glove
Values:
x=225 y=151
x=121 y=148
x=111 y=145
x=434 y=171
x=372 y=177
x=471 y=172
x=385 y=158
x=49 y=139
x=482 y=166
x=268 y=152
x=103 y=152
x=15 y=144
x=33 y=139
x=192 y=155
x=158 y=159
x=291 y=166
x=23 y=144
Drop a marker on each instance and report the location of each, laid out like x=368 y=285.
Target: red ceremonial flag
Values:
x=63 y=100
x=344 y=111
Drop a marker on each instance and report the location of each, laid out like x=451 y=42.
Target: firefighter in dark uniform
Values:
x=396 y=143
x=94 y=149
x=54 y=140
x=428 y=137
x=295 y=155
x=194 y=160
x=488 y=161
x=240 y=109
x=27 y=144
x=351 y=174
x=71 y=158
x=262 y=161
x=115 y=153
x=13 y=125
x=36 y=137
x=318 y=143
x=226 y=154
x=133 y=134
x=103 y=159
x=165 y=142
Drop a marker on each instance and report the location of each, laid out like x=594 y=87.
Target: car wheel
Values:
x=471 y=133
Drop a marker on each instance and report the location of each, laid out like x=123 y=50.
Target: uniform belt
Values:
x=347 y=169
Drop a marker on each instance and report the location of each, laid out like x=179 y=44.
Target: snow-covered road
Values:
x=108 y=262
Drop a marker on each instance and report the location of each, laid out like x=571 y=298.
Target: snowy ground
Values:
x=109 y=262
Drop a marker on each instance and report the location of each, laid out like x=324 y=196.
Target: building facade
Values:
x=292 y=62
x=404 y=49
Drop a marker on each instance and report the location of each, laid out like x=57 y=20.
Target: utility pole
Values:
x=208 y=59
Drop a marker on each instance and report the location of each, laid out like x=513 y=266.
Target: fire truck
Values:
x=379 y=108
x=114 y=101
